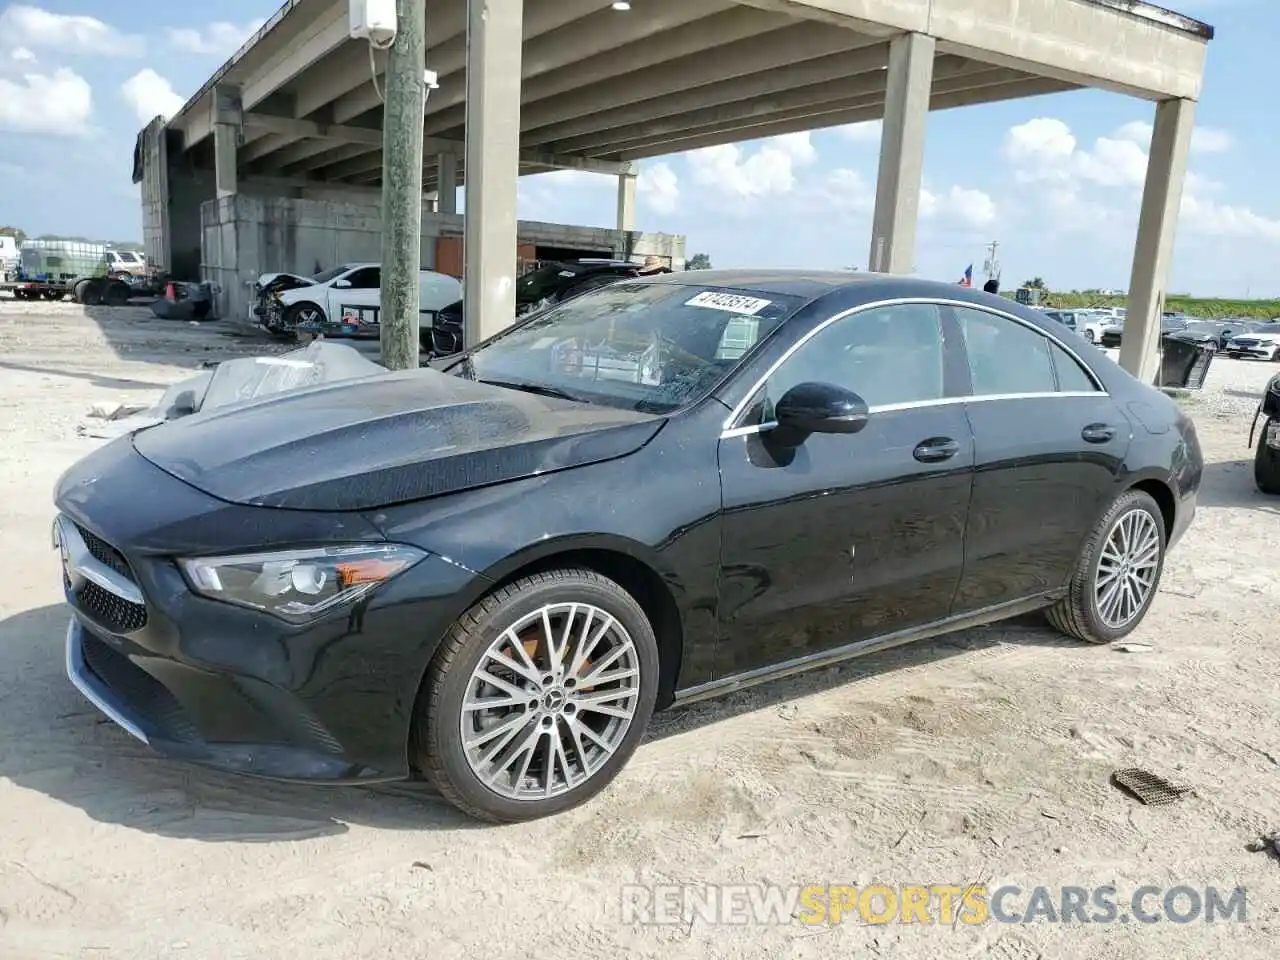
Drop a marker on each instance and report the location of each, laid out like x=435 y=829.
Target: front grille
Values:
x=106 y=554
x=115 y=613
x=141 y=694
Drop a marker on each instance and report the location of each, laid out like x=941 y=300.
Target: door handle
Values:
x=935 y=450
x=1098 y=433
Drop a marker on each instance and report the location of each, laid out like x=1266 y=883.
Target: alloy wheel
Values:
x=550 y=701
x=1127 y=568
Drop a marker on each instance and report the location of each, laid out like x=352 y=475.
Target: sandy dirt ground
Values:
x=980 y=758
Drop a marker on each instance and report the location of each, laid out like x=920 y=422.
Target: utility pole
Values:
x=992 y=266
x=402 y=122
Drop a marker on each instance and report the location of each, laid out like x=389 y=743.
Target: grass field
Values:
x=1211 y=308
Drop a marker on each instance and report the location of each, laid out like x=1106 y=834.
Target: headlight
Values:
x=298 y=585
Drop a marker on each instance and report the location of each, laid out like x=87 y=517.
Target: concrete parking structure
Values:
x=527 y=86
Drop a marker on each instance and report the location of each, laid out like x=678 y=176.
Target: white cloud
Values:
x=769 y=171
x=58 y=104
x=967 y=206
x=215 y=39
x=22 y=55
x=36 y=28
x=1045 y=152
x=866 y=132
x=659 y=187
x=1203 y=139
x=150 y=95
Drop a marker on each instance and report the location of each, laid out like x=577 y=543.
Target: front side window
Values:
x=887 y=355
x=366 y=278
x=651 y=347
x=1005 y=357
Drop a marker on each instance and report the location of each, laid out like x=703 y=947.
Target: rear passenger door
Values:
x=1049 y=444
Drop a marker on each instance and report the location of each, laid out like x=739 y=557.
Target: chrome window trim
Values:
x=922 y=404
x=728 y=428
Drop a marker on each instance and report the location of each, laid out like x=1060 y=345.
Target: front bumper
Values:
x=1237 y=352
x=229 y=687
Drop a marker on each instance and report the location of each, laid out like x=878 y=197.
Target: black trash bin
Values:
x=1184 y=364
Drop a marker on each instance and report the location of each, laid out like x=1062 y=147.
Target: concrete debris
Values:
x=1134 y=647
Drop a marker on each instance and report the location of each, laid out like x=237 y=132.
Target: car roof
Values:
x=849 y=288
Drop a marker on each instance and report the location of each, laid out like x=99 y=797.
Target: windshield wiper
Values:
x=537 y=388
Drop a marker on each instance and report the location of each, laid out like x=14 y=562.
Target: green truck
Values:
x=53 y=269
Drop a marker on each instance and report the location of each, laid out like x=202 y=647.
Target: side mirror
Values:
x=342 y=284
x=820 y=408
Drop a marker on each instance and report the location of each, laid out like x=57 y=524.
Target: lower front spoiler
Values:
x=141 y=706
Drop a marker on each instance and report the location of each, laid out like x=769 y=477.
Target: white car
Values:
x=1257 y=345
x=1091 y=325
x=351 y=294
x=126 y=263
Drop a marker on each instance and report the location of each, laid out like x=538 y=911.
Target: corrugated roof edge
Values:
x=245 y=47
x=1157 y=14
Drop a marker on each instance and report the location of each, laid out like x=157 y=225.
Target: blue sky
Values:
x=1055 y=179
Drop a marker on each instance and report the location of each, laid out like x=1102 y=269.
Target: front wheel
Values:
x=1266 y=461
x=1117 y=573
x=537 y=697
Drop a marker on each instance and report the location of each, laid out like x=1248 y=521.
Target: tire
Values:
x=1089 y=335
x=79 y=290
x=563 y=598
x=1080 y=614
x=1266 y=465
x=116 y=294
x=1275 y=357
x=302 y=312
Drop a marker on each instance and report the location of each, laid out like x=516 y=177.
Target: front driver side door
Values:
x=847 y=537
x=360 y=297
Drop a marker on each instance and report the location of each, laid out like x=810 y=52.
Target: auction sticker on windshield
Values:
x=729 y=302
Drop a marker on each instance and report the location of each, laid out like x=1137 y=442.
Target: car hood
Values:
x=266 y=278
x=386 y=439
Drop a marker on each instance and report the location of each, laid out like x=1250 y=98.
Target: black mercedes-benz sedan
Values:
x=491 y=574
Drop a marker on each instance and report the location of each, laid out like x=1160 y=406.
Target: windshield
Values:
x=331 y=274
x=652 y=347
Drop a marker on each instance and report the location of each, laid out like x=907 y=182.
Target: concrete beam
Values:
x=723 y=28
x=906 y=116
x=494 y=32
x=372 y=160
x=228 y=122
x=814 y=99
x=976 y=86
x=781 y=48
x=450 y=60
x=327 y=32
x=1157 y=225
x=447 y=182
x=299 y=129
x=874 y=111
x=626 y=202
x=840 y=67
x=1089 y=44
x=348 y=67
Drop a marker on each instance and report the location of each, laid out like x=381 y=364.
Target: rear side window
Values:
x=1004 y=356
x=1071 y=376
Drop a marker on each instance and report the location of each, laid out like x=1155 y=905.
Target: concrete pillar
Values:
x=447 y=183
x=626 y=201
x=228 y=128
x=494 y=39
x=906 y=114
x=1157 y=221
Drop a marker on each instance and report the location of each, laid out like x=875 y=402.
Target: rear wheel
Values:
x=116 y=294
x=1117 y=573
x=1089 y=335
x=1266 y=463
x=538 y=696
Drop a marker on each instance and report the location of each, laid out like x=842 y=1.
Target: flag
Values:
x=967 y=279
